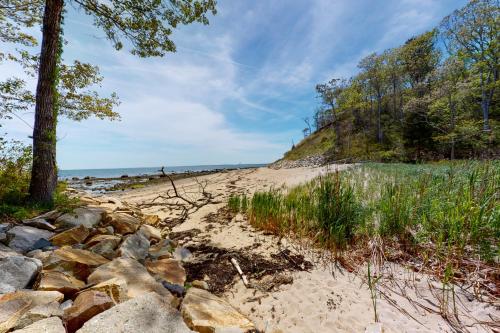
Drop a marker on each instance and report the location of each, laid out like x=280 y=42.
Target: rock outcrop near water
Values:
x=104 y=267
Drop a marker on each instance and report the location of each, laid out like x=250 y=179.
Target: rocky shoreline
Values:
x=105 y=267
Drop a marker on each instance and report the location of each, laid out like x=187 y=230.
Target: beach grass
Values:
x=437 y=214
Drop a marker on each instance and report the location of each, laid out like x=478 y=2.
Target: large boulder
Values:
x=138 y=280
x=6 y=251
x=88 y=217
x=49 y=325
x=17 y=272
x=71 y=236
x=106 y=247
x=76 y=262
x=39 y=223
x=207 y=313
x=151 y=233
x=58 y=281
x=102 y=237
x=115 y=288
x=147 y=313
x=87 y=305
x=10 y=312
x=37 y=313
x=135 y=246
x=123 y=223
x=24 y=238
x=34 y=297
x=169 y=270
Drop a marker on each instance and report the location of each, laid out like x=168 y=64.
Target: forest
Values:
x=435 y=97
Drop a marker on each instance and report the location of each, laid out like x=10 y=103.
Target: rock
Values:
x=4 y=227
x=59 y=281
x=151 y=232
x=78 y=263
x=10 y=312
x=138 y=280
x=162 y=250
x=72 y=236
x=43 y=244
x=50 y=216
x=3 y=237
x=181 y=253
x=135 y=246
x=374 y=328
x=39 y=223
x=37 y=313
x=86 y=305
x=23 y=238
x=34 y=297
x=49 y=325
x=123 y=223
x=40 y=255
x=174 y=289
x=151 y=219
x=99 y=238
x=169 y=270
x=106 y=248
x=146 y=313
x=205 y=312
x=66 y=305
x=88 y=217
x=200 y=284
x=115 y=288
x=6 y=251
x=17 y=272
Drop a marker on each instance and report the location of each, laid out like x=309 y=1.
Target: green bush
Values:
x=15 y=166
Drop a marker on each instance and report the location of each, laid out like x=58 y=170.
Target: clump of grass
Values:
x=325 y=209
x=238 y=204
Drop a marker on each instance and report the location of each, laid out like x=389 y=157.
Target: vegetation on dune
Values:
x=438 y=215
x=432 y=98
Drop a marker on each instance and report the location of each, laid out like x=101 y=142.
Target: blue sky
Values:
x=236 y=90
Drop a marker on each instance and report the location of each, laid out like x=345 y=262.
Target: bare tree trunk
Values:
x=44 y=171
x=485 y=103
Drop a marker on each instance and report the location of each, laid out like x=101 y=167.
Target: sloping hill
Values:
x=318 y=143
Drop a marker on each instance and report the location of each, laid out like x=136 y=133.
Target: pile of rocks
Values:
x=310 y=161
x=102 y=268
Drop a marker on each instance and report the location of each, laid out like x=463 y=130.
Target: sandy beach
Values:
x=322 y=298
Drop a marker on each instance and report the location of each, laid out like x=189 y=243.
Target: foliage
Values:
x=436 y=96
x=439 y=211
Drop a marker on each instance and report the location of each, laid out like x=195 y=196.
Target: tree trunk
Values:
x=379 y=120
x=44 y=171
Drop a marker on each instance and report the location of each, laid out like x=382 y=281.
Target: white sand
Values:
x=317 y=301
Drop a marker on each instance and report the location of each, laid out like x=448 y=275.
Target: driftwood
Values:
x=240 y=272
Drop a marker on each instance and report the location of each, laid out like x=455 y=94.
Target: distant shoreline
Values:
x=125 y=180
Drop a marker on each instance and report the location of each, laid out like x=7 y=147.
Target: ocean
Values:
x=113 y=173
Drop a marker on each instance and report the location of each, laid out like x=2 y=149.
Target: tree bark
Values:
x=44 y=171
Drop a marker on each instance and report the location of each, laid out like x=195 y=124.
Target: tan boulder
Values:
x=71 y=236
x=34 y=297
x=59 y=281
x=138 y=280
x=10 y=312
x=123 y=223
x=87 y=305
x=207 y=313
x=115 y=288
x=49 y=325
x=39 y=223
x=76 y=262
x=169 y=270
x=153 y=220
x=37 y=313
x=99 y=238
x=151 y=232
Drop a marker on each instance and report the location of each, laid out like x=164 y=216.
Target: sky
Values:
x=236 y=91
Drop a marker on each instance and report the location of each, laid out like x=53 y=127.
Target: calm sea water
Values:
x=112 y=173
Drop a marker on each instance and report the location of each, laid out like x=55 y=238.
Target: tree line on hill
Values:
x=434 y=97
